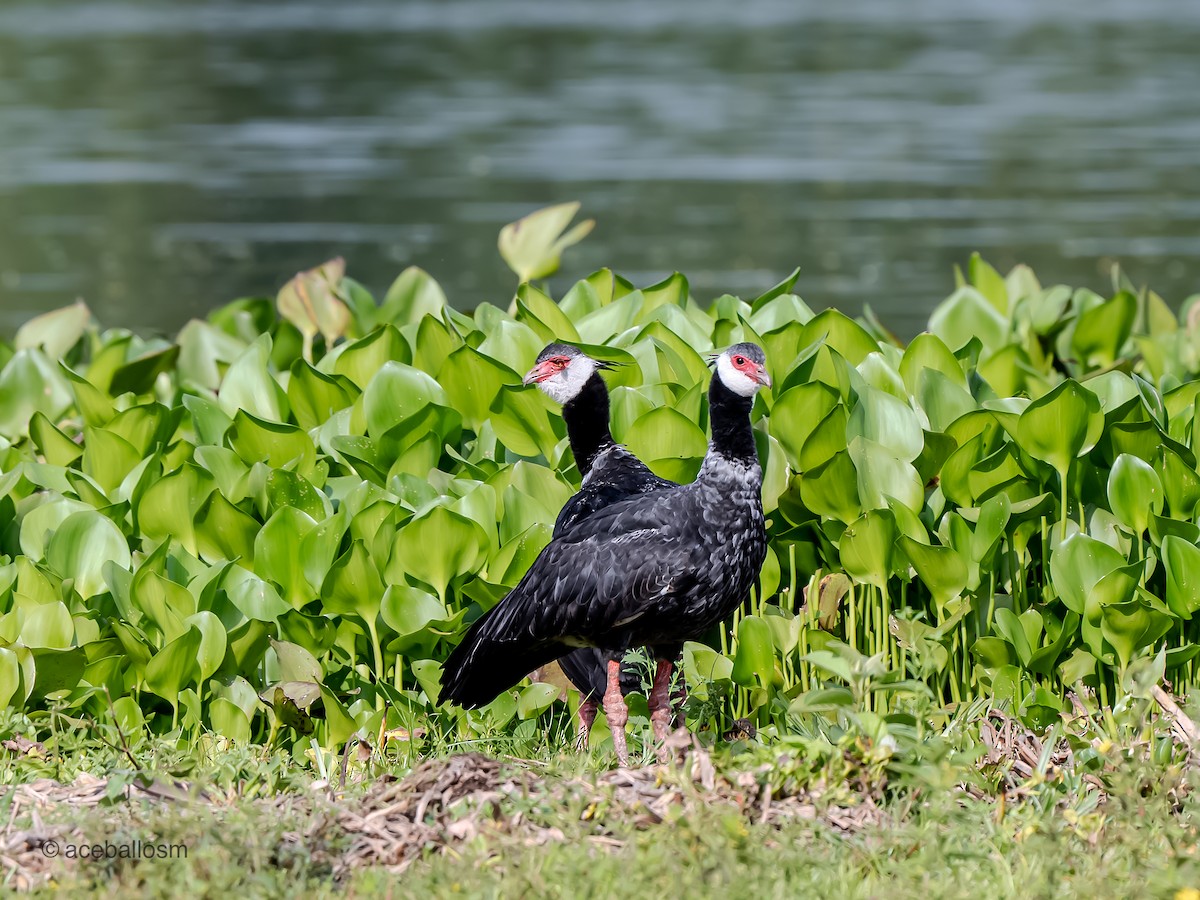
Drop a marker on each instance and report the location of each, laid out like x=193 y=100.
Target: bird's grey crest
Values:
x=751 y=351
x=557 y=349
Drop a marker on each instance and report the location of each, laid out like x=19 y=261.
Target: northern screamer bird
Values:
x=610 y=473
x=654 y=570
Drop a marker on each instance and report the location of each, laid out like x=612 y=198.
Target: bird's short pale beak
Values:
x=762 y=377
x=537 y=374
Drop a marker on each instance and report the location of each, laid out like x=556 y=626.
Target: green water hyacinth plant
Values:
x=276 y=525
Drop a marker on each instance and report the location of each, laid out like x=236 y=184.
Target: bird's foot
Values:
x=659 y=702
x=616 y=712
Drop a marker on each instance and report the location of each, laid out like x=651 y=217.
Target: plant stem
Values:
x=1062 y=478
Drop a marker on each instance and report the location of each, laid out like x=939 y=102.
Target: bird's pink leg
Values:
x=616 y=711
x=587 y=715
x=660 y=707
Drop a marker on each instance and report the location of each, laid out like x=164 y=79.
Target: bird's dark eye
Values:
x=739 y=360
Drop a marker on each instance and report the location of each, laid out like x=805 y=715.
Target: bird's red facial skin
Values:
x=751 y=369
x=547 y=368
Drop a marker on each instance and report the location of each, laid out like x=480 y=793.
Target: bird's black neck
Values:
x=729 y=413
x=586 y=415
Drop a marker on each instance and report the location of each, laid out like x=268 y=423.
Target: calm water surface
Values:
x=158 y=159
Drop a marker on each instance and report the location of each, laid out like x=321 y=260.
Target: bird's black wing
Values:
x=616 y=475
x=602 y=577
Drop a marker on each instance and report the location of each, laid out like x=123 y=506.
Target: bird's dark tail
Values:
x=489 y=661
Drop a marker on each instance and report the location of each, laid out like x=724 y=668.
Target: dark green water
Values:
x=158 y=159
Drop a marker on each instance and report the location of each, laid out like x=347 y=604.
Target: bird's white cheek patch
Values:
x=566 y=385
x=737 y=381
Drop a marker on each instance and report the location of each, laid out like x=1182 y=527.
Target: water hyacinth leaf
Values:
x=41 y=522
x=208 y=419
x=55 y=447
x=827 y=439
x=942 y=400
x=988 y=282
x=535 y=699
x=928 y=353
x=168 y=506
x=311 y=302
x=1061 y=425
x=461 y=547
x=80 y=547
x=881 y=476
x=10 y=678
x=1010 y=626
x=1135 y=624
x=58 y=671
x=993 y=652
x=288 y=490
x=866 y=547
x=428 y=673
x=166 y=604
x=522 y=423
x=702 y=664
x=841 y=334
x=174 y=667
x=319 y=548
x=254 y=598
x=1100 y=332
x=1145 y=674
x=887 y=421
x=145 y=427
x=248 y=385
x=1040 y=709
x=967 y=314
x=211 y=652
x=275 y=443
x=224 y=532
x=1182 y=562
x=278 y=554
x=48 y=625
x=942 y=569
x=107 y=458
x=754 y=657
x=825 y=489
x=55 y=332
x=314 y=396
x=140 y=373
x=664 y=433
x=205 y=353
x=353 y=585
x=229 y=720
x=359 y=360
x=412 y=295
x=296 y=663
x=396 y=393
x=1135 y=492
x=535 y=308
x=1180 y=482
x=511 y=343
x=408 y=610
x=1079 y=563
x=30 y=383
x=796 y=413
x=471 y=381
x=533 y=245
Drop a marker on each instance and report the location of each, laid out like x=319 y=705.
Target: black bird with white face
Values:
x=610 y=474
x=654 y=570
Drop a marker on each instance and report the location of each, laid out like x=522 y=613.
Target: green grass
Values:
x=1141 y=843
x=257 y=823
